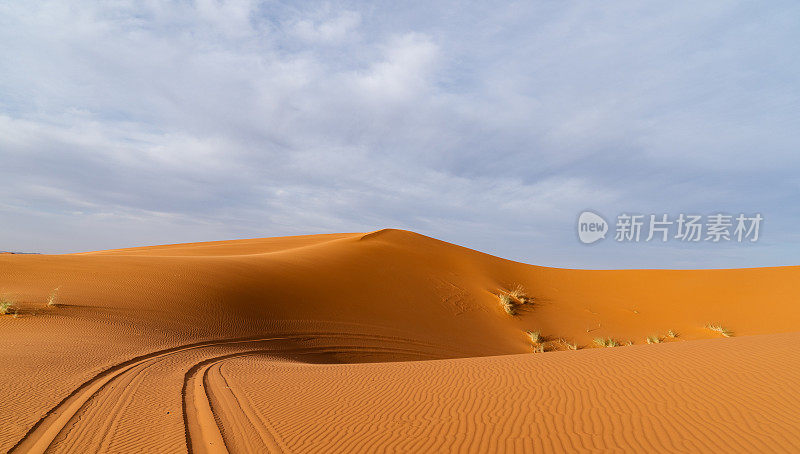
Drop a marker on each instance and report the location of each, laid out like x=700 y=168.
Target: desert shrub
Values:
x=52 y=299
x=720 y=329
x=606 y=342
x=511 y=300
x=568 y=345
x=519 y=294
x=508 y=304
x=653 y=340
x=6 y=306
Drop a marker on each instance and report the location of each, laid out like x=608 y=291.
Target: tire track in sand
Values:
x=205 y=384
x=45 y=431
x=41 y=436
x=209 y=400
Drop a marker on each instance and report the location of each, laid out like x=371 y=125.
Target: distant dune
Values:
x=389 y=341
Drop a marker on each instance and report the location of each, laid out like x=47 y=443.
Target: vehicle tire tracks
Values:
x=60 y=419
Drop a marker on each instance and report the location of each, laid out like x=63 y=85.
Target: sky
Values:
x=492 y=125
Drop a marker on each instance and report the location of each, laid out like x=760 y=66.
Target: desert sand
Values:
x=390 y=341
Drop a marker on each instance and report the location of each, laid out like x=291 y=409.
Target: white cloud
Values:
x=329 y=30
x=404 y=72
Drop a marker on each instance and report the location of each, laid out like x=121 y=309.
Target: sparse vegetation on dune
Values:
x=605 y=342
x=519 y=294
x=52 y=299
x=720 y=329
x=542 y=344
x=541 y=348
x=653 y=340
x=672 y=334
x=513 y=299
x=568 y=345
x=507 y=304
x=7 y=306
x=535 y=336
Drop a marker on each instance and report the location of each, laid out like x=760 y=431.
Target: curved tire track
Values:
x=205 y=405
x=203 y=431
x=42 y=435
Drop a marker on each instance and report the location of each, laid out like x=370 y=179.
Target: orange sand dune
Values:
x=703 y=396
x=252 y=345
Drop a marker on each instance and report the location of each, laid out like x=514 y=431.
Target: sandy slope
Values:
x=732 y=395
x=234 y=345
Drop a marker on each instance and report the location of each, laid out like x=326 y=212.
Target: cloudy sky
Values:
x=488 y=124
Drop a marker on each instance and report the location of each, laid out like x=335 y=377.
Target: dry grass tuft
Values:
x=536 y=336
x=7 y=306
x=720 y=329
x=606 y=342
x=52 y=299
x=541 y=348
x=653 y=340
x=511 y=300
x=672 y=334
x=508 y=304
x=519 y=294
x=569 y=345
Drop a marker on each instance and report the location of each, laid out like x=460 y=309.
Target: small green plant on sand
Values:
x=605 y=342
x=720 y=329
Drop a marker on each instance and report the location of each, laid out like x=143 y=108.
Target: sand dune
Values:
x=733 y=395
x=387 y=341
